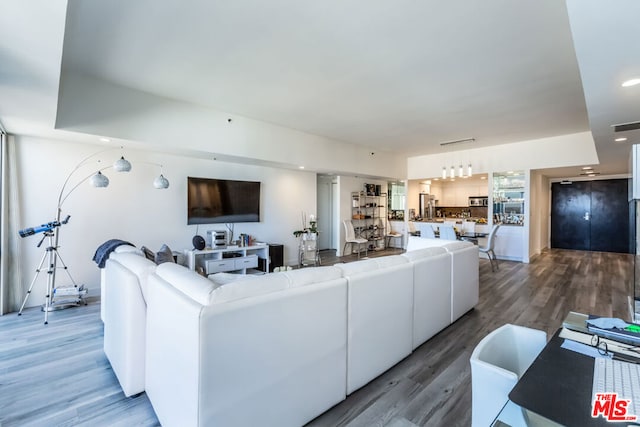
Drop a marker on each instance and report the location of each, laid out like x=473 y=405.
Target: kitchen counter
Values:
x=458 y=220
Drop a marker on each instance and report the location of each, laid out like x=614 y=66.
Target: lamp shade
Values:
x=161 y=182
x=99 y=180
x=122 y=165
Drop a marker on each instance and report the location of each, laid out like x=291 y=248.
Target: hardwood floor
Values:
x=58 y=375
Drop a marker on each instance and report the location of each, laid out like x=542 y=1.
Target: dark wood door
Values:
x=590 y=215
x=570 y=215
x=609 y=215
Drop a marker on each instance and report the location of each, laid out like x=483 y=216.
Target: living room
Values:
x=59 y=108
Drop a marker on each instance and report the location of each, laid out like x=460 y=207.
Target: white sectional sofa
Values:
x=276 y=349
x=431 y=292
x=103 y=272
x=380 y=316
x=268 y=352
x=465 y=280
x=125 y=317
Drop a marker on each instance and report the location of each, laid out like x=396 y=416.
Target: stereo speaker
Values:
x=198 y=242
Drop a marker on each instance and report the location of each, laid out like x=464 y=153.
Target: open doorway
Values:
x=327 y=206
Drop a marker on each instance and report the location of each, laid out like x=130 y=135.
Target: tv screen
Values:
x=214 y=201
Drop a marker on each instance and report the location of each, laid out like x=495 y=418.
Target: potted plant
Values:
x=308 y=232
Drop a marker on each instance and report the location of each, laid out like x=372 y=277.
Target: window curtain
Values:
x=12 y=288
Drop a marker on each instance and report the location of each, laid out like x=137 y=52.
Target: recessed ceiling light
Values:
x=483 y=177
x=586 y=168
x=301 y=167
x=621 y=139
x=436 y=179
x=105 y=140
x=631 y=82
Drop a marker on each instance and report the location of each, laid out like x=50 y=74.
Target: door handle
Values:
x=586 y=216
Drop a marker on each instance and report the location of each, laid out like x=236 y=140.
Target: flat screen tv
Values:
x=215 y=201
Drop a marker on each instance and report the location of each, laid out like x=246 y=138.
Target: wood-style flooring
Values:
x=58 y=375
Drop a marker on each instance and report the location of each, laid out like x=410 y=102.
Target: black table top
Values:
x=558 y=386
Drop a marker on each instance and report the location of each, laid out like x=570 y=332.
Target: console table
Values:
x=237 y=259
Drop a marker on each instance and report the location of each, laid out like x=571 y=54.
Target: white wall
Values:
x=539 y=213
x=131 y=209
x=558 y=151
x=170 y=125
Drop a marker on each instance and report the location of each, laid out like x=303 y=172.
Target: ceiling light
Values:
x=460 y=172
x=631 y=82
x=469 y=170
x=444 y=172
x=452 y=174
x=300 y=167
x=586 y=168
x=483 y=177
x=105 y=140
x=622 y=139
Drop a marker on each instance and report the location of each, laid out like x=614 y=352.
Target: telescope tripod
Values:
x=53 y=256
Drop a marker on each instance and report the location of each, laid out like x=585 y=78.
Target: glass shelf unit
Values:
x=368 y=215
x=508 y=198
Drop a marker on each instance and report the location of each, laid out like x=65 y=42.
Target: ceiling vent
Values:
x=623 y=127
x=457 y=141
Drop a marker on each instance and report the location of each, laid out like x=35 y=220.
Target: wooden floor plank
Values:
x=58 y=375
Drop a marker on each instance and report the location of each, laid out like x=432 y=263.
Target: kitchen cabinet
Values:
x=457 y=193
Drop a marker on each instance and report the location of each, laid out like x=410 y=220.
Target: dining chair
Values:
x=390 y=234
x=497 y=363
x=413 y=231
x=488 y=248
x=468 y=227
x=350 y=238
x=447 y=233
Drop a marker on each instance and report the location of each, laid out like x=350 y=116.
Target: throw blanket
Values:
x=103 y=251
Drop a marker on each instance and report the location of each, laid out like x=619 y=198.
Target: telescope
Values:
x=43 y=228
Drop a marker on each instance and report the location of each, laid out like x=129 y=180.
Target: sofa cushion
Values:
x=164 y=255
x=423 y=253
x=226 y=278
x=248 y=288
x=186 y=281
x=128 y=249
x=140 y=266
x=148 y=253
x=309 y=276
x=456 y=246
x=366 y=265
x=388 y=261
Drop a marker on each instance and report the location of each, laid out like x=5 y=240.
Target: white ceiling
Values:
x=395 y=76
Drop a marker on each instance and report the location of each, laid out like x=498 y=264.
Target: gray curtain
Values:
x=12 y=288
